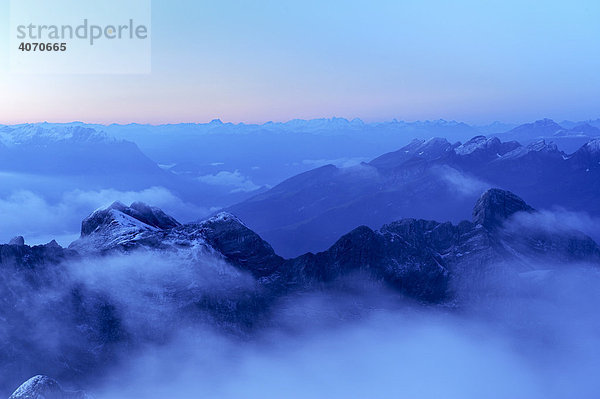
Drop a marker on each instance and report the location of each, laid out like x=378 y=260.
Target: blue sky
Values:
x=255 y=61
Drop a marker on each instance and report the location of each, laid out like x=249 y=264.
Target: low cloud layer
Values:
x=530 y=335
x=234 y=180
x=559 y=219
x=542 y=345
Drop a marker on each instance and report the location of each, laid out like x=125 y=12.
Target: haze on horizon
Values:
x=513 y=61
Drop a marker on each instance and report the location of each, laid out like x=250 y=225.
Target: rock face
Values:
x=495 y=206
x=19 y=241
x=138 y=226
x=43 y=387
x=25 y=257
x=240 y=245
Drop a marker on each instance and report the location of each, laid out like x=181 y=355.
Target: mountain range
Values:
x=246 y=157
x=429 y=262
x=50 y=160
x=567 y=138
x=411 y=225
x=221 y=165
x=309 y=211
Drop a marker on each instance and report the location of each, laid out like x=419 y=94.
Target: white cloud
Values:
x=235 y=180
x=462 y=183
x=320 y=345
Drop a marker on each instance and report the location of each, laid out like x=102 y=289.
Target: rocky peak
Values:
x=433 y=148
x=43 y=387
x=137 y=215
x=240 y=245
x=593 y=146
x=475 y=143
x=429 y=150
x=587 y=157
x=495 y=206
x=47 y=133
x=223 y=218
x=545 y=122
x=53 y=244
x=540 y=128
x=490 y=146
x=152 y=216
x=19 y=241
x=583 y=129
x=140 y=226
x=539 y=147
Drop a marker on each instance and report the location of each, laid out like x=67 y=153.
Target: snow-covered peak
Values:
x=593 y=146
x=436 y=142
x=43 y=134
x=431 y=149
x=316 y=125
x=222 y=217
x=476 y=143
x=539 y=146
x=427 y=148
x=119 y=225
x=137 y=216
x=41 y=387
x=437 y=122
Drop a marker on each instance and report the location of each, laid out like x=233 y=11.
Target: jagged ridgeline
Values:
x=310 y=211
x=423 y=261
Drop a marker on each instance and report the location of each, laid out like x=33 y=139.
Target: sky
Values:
x=256 y=61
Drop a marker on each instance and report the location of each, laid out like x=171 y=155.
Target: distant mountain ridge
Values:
x=70 y=150
x=309 y=211
x=250 y=156
x=81 y=157
x=39 y=134
x=568 y=138
x=542 y=128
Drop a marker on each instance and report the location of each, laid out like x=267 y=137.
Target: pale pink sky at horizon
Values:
x=512 y=61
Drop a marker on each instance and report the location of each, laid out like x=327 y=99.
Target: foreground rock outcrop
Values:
x=43 y=387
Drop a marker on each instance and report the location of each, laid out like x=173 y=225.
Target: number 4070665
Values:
x=43 y=47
